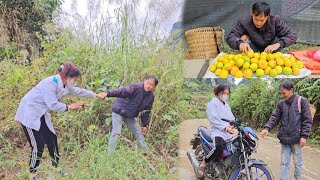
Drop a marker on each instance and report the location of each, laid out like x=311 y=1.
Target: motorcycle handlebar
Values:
x=235 y=122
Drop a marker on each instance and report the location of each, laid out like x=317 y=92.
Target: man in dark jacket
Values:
x=261 y=31
x=295 y=119
x=132 y=100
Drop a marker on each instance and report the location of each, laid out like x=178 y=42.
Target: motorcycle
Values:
x=234 y=162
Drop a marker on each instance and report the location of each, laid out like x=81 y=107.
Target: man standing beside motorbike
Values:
x=217 y=110
x=295 y=119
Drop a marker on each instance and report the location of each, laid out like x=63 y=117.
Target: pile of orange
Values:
x=260 y=64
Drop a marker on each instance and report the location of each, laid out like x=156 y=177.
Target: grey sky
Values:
x=164 y=11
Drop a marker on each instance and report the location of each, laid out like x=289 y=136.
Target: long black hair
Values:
x=221 y=88
x=69 y=69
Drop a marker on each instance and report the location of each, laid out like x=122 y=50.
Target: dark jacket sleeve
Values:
x=275 y=117
x=233 y=39
x=145 y=117
x=285 y=33
x=123 y=92
x=306 y=118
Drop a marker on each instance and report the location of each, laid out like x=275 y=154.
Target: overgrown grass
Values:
x=197 y=93
x=93 y=162
x=120 y=57
x=79 y=131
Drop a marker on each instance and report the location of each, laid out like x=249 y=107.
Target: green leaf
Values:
x=108 y=121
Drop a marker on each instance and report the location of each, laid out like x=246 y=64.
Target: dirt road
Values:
x=268 y=151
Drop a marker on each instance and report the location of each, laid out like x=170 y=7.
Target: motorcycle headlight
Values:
x=254 y=141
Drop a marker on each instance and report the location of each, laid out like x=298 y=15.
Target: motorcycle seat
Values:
x=206 y=133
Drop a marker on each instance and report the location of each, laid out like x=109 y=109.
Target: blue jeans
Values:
x=117 y=121
x=286 y=151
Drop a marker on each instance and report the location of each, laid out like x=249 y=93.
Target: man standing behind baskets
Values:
x=261 y=31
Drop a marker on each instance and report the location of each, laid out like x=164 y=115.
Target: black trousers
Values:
x=219 y=148
x=37 y=140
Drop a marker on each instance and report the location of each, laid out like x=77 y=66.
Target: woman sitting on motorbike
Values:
x=217 y=110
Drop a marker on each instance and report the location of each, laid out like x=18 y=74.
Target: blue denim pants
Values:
x=117 y=121
x=286 y=151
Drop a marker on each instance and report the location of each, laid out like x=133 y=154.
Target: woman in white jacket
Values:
x=218 y=110
x=33 y=111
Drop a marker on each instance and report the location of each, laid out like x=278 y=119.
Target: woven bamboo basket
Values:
x=313 y=110
x=202 y=43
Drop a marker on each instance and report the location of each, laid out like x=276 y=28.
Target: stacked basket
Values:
x=204 y=42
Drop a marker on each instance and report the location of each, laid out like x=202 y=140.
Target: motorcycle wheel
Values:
x=199 y=153
x=257 y=171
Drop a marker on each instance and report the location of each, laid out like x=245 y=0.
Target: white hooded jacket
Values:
x=217 y=110
x=43 y=97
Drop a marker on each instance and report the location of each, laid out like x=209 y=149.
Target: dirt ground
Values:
x=268 y=151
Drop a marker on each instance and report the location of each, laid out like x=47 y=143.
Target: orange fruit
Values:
x=263 y=58
x=227 y=66
x=272 y=63
x=233 y=70
x=288 y=63
x=238 y=74
x=212 y=68
x=292 y=58
x=279 y=69
x=260 y=73
x=280 y=61
x=270 y=57
x=267 y=70
x=253 y=67
x=239 y=62
x=218 y=72
x=225 y=61
x=230 y=56
x=246 y=59
x=296 y=71
x=247 y=73
x=221 y=58
x=250 y=54
x=300 y=64
x=246 y=65
x=219 y=65
x=254 y=60
x=275 y=55
x=224 y=74
x=287 y=71
x=296 y=65
x=256 y=55
x=279 y=53
x=264 y=54
x=232 y=62
x=273 y=73
x=263 y=64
